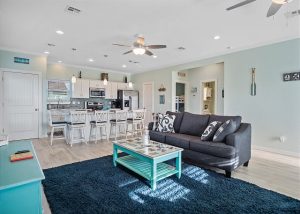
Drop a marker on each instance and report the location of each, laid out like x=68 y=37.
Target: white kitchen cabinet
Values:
x=81 y=89
x=96 y=84
x=111 y=90
x=122 y=86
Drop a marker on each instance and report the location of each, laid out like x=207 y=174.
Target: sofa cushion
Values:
x=179 y=140
x=210 y=130
x=193 y=124
x=225 y=129
x=223 y=119
x=165 y=123
x=217 y=149
x=177 y=121
x=157 y=136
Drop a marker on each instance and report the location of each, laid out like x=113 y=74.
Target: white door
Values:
x=148 y=97
x=20 y=93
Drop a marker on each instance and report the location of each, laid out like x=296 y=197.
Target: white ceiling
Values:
x=30 y=25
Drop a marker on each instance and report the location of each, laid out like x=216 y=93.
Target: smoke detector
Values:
x=72 y=10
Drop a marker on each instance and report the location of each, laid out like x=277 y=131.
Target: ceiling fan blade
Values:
x=149 y=53
x=127 y=52
x=273 y=9
x=240 y=4
x=156 y=46
x=122 y=45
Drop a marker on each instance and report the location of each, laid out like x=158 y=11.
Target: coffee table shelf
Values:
x=144 y=168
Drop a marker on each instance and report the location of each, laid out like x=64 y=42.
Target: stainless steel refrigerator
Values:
x=128 y=99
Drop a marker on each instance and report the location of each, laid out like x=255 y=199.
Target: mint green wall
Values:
x=274 y=112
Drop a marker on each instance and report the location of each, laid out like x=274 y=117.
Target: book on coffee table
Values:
x=21 y=156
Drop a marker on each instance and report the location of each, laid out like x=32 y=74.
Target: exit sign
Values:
x=21 y=60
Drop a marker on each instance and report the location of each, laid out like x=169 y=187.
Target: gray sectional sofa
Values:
x=227 y=155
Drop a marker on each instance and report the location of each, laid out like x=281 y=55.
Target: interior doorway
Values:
x=180 y=98
x=208 y=102
x=148 y=101
x=21 y=105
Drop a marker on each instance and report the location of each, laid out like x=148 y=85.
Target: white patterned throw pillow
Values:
x=210 y=130
x=165 y=123
x=228 y=127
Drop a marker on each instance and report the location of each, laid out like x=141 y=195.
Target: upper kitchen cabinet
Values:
x=96 y=84
x=123 y=86
x=111 y=90
x=81 y=89
x=59 y=91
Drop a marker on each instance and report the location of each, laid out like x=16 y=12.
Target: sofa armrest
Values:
x=241 y=140
x=150 y=126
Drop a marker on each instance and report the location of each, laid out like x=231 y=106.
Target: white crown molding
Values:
x=221 y=55
x=22 y=51
x=89 y=67
x=277 y=151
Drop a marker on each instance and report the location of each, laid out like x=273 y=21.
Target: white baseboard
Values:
x=277 y=151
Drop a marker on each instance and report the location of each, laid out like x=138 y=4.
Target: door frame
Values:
x=216 y=94
x=40 y=97
x=147 y=83
x=186 y=94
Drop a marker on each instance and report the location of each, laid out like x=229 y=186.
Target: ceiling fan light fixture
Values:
x=281 y=1
x=139 y=51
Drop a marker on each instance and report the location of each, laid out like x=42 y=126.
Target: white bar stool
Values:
x=136 y=121
x=118 y=121
x=59 y=124
x=100 y=123
x=77 y=123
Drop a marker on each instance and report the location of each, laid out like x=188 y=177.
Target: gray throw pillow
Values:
x=210 y=130
x=165 y=123
x=228 y=127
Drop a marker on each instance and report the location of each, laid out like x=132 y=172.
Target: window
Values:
x=59 y=90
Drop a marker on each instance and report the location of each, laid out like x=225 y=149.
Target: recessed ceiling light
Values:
x=51 y=45
x=74 y=49
x=105 y=55
x=217 y=37
x=154 y=56
x=59 y=32
x=59 y=61
x=124 y=66
x=229 y=47
x=91 y=60
x=46 y=52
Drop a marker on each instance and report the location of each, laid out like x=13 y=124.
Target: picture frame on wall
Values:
x=161 y=99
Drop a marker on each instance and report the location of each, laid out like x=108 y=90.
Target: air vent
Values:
x=72 y=10
x=292 y=14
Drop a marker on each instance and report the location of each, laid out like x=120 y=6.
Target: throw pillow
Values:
x=210 y=130
x=228 y=127
x=165 y=123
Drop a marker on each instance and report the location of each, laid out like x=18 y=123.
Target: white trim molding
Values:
x=277 y=151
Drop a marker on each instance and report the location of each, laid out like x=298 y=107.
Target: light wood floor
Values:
x=268 y=170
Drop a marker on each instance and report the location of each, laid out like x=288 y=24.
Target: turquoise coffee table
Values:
x=148 y=160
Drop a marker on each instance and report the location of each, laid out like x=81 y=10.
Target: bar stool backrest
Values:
x=101 y=116
x=138 y=114
x=78 y=117
x=120 y=115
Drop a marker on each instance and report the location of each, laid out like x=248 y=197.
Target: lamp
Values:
x=139 y=51
x=105 y=82
x=73 y=79
x=130 y=85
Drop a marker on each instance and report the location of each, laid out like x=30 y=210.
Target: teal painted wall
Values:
x=274 y=112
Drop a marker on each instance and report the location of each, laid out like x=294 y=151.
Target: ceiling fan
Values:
x=139 y=47
x=275 y=6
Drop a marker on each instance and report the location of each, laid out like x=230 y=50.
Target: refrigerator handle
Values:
x=130 y=103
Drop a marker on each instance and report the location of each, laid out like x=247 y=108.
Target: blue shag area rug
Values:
x=96 y=186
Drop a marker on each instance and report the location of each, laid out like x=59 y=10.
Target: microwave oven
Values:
x=97 y=92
